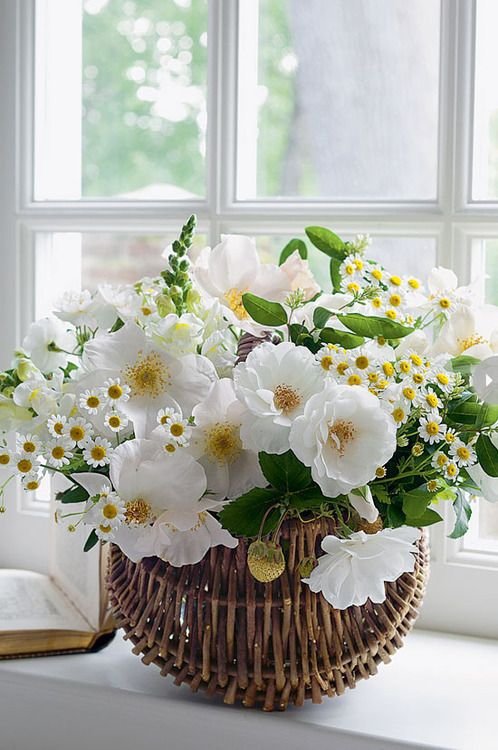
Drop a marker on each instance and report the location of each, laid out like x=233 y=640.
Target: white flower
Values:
x=344 y=435
x=428 y=400
x=123 y=300
x=56 y=424
x=47 y=343
x=6 y=459
x=24 y=463
x=299 y=275
x=106 y=514
x=180 y=335
x=451 y=471
x=232 y=268
x=91 y=401
x=59 y=452
x=115 y=392
x=31 y=482
x=173 y=427
x=463 y=453
x=439 y=460
x=431 y=428
x=487 y=484
x=473 y=332
x=78 y=430
x=82 y=309
x=38 y=394
x=356 y=569
x=97 y=452
x=116 y=421
x=304 y=314
x=220 y=348
x=28 y=443
x=362 y=501
x=154 y=377
x=230 y=469
x=274 y=383
x=416 y=341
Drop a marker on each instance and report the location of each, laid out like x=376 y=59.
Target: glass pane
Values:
x=67 y=261
x=488 y=521
x=407 y=255
x=491 y=271
x=338 y=99
x=120 y=99
x=485 y=168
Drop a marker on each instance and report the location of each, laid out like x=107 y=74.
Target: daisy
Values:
x=428 y=400
x=6 y=459
x=31 y=481
x=116 y=421
x=78 y=430
x=451 y=471
x=55 y=424
x=400 y=411
x=28 y=444
x=431 y=428
x=439 y=460
x=444 y=380
x=463 y=453
x=91 y=401
x=97 y=452
x=115 y=392
x=106 y=515
x=59 y=452
x=450 y=436
x=24 y=463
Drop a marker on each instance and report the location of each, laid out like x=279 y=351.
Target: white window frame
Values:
x=460 y=578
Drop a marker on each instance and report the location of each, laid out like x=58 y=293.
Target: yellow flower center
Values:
x=377 y=302
x=326 y=362
x=414 y=283
x=114 y=421
x=358 y=264
x=145 y=311
x=392 y=314
x=432 y=485
x=354 y=379
x=418 y=378
x=169 y=448
x=442 y=378
x=29 y=447
x=465 y=344
x=362 y=362
x=58 y=426
x=399 y=414
x=432 y=428
x=445 y=303
x=452 y=470
x=177 y=429
x=380 y=472
x=395 y=280
x=442 y=459
x=286 y=398
x=92 y=401
x=138 y=511
x=409 y=393
x=405 y=366
x=342 y=367
x=431 y=400
x=395 y=300
x=353 y=287
x=58 y=452
x=388 y=369
x=234 y=300
x=450 y=437
x=340 y=434
x=149 y=376
x=377 y=274
x=24 y=465
x=349 y=269
x=463 y=453
x=110 y=511
x=416 y=359
x=76 y=433
x=115 y=391
x=223 y=442
x=98 y=452
x=4 y=459
x=105 y=529
x=32 y=485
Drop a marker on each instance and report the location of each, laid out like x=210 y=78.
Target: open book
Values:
x=63 y=611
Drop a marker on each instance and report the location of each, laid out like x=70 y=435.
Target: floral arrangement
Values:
x=227 y=395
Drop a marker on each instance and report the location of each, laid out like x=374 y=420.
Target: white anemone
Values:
x=47 y=343
x=355 y=569
x=473 y=332
x=275 y=383
x=344 y=435
x=232 y=268
x=154 y=377
x=231 y=470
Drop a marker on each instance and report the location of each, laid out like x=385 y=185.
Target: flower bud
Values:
x=265 y=561
x=165 y=305
x=25 y=369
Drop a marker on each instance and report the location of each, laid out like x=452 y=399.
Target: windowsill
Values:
x=439 y=692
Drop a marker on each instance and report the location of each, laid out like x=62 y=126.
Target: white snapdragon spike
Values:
x=38 y=394
x=180 y=335
x=299 y=276
x=47 y=343
x=231 y=470
x=344 y=435
x=232 y=268
x=154 y=377
x=356 y=569
x=274 y=383
x=469 y=331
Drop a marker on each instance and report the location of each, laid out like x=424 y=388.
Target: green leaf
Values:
x=75 y=494
x=395 y=516
x=448 y=493
x=473 y=414
x=463 y=513
x=264 y=312
x=296 y=330
x=91 y=541
x=309 y=499
x=291 y=247
x=487 y=453
x=341 y=338
x=373 y=326
x=244 y=516
x=320 y=316
x=285 y=472
x=427 y=518
x=463 y=364
x=328 y=242
x=335 y=276
x=416 y=501
x=117 y=325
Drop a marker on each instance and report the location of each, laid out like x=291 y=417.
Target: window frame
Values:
x=453 y=218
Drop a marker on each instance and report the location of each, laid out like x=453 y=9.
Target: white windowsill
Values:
x=439 y=692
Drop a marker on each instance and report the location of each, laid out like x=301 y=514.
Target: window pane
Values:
x=120 y=99
x=338 y=99
x=485 y=172
x=76 y=260
x=406 y=255
x=491 y=271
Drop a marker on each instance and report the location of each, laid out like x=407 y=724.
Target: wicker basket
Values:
x=214 y=627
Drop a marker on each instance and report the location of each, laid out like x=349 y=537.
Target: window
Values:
x=119 y=118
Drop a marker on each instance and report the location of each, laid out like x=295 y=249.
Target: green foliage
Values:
x=335 y=275
x=487 y=454
x=328 y=242
x=245 y=515
x=373 y=326
x=285 y=472
x=321 y=316
x=467 y=411
x=264 y=312
x=416 y=501
x=341 y=338
x=463 y=514
x=291 y=247
x=91 y=541
x=76 y=494
x=427 y=518
x=463 y=364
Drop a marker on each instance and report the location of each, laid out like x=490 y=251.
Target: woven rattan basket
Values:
x=214 y=627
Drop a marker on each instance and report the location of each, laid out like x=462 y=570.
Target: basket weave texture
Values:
x=212 y=626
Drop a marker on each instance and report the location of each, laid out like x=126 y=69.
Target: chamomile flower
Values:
x=451 y=471
x=78 y=430
x=115 y=392
x=375 y=274
x=97 y=452
x=6 y=458
x=376 y=305
x=400 y=411
x=177 y=430
x=349 y=268
x=91 y=401
x=31 y=482
x=55 y=424
x=106 y=515
x=428 y=400
x=431 y=428
x=28 y=444
x=462 y=453
x=444 y=380
x=450 y=436
x=408 y=392
x=439 y=460
x=404 y=366
x=59 y=452
x=116 y=421
x=328 y=355
x=24 y=463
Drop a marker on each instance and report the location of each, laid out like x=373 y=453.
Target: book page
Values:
x=75 y=571
x=31 y=601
